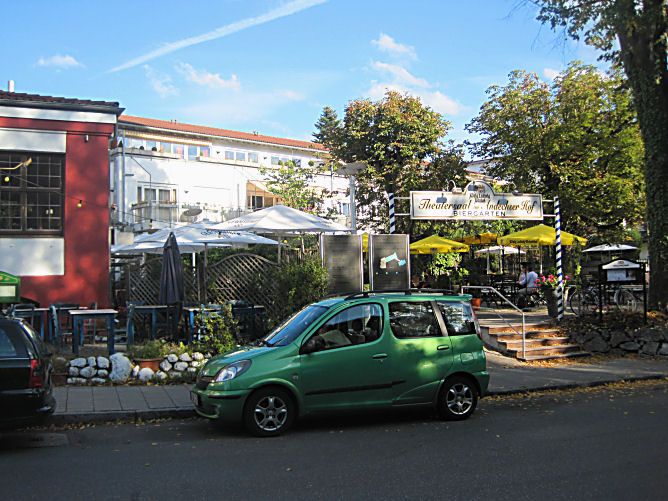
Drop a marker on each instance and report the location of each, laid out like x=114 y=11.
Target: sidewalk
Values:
x=107 y=403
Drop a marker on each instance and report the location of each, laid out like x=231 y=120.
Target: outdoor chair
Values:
x=126 y=334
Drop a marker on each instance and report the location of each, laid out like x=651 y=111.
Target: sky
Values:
x=271 y=65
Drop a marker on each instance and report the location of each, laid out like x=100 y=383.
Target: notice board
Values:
x=342 y=257
x=389 y=262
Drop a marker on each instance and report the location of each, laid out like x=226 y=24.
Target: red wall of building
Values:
x=86 y=229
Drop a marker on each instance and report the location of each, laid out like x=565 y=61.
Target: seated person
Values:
x=333 y=337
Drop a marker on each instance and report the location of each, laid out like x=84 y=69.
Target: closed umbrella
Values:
x=171 y=275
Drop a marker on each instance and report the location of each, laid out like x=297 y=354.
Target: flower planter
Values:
x=476 y=302
x=150 y=363
x=551 y=297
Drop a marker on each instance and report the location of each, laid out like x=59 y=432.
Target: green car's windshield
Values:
x=288 y=331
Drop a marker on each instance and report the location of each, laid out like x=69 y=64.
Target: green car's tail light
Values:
x=231 y=371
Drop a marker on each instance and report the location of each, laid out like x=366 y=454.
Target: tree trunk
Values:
x=643 y=50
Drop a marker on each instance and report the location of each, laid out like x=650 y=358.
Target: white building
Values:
x=165 y=172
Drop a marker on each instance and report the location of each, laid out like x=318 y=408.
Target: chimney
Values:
x=10 y=86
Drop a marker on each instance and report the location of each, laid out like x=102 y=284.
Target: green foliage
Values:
x=292 y=183
x=215 y=330
x=148 y=349
x=402 y=143
x=577 y=138
x=295 y=284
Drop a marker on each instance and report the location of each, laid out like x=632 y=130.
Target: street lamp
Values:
x=351 y=170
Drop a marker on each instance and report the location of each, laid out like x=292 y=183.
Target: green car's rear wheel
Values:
x=458 y=399
x=269 y=412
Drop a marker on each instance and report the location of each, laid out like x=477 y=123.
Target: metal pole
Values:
x=560 y=271
x=353 y=209
x=393 y=222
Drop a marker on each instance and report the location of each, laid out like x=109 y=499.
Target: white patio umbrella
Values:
x=498 y=250
x=157 y=248
x=611 y=248
x=200 y=233
x=280 y=219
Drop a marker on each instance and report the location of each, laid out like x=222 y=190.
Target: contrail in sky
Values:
x=284 y=10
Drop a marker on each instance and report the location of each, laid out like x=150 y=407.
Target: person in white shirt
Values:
x=528 y=281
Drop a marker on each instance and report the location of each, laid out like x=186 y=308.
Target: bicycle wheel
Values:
x=583 y=303
x=626 y=301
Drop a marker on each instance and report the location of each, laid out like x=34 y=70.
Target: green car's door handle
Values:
x=380 y=355
x=443 y=347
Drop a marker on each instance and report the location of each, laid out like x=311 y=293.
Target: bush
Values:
x=215 y=331
x=149 y=349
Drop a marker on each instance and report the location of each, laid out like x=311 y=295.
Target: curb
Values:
x=111 y=416
x=571 y=386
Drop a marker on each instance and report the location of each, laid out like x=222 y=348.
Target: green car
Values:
x=364 y=351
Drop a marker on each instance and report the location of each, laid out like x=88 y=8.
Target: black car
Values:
x=26 y=394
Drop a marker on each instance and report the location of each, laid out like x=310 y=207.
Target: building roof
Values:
x=213 y=131
x=54 y=102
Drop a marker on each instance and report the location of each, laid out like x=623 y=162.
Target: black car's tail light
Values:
x=36 y=374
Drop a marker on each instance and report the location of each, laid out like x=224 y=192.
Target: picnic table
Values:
x=78 y=317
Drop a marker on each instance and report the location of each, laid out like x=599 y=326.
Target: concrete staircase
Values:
x=543 y=342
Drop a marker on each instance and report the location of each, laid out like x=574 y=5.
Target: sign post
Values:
x=560 y=271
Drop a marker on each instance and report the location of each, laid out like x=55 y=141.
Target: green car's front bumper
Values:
x=221 y=405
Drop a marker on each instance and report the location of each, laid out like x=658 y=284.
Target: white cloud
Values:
x=284 y=10
x=436 y=100
x=400 y=74
x=59 y=61
x=387 y=44
x=160 y=82
x=203 y=77
x=550 y=73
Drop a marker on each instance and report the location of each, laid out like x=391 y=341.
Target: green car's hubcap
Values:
x=459 y=399
x=271 y=413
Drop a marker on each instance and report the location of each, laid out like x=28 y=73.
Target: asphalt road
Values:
x=594 y=444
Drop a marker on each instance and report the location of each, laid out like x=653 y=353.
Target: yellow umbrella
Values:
x=437 y=245
x=480 y=239
x=539 y=235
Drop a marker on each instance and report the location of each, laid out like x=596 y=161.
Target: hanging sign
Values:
x=477 y=201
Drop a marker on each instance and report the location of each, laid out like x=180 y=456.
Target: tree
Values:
x=327 y=127
x=576 y=138
x=292 y=183
x=640 y=29
x=401 y=142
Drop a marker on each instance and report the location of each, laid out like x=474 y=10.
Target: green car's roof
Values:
x=332 y=301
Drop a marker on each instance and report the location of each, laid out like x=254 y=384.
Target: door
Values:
x=423 y=351
x=351 y=367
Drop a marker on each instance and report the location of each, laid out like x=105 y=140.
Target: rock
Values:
x=78 y=362
x=102 y=373
x=650 y=348
x=195 y=363
x=98 y=380
x=175 y=375
x=617 y=338
x=165 y=366
x=192 y=370
x=172 y=358
x=120 y=368
x=198 y=356
x=73 y=371
x=76 y=380
x=60 y=361
x=185 y=357
x=664 y=349
x=650 y=334
x=88 y=372
x=596 y=345
x=160 y=375
x=103 y=363
x=180 y=366
x=630 y=346
x=135 y=371
x=92 y=361
x=145 y=374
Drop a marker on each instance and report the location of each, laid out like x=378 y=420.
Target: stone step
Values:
x=545 y=350
x=518 y=327
x=570 y=354
x=513 y=336
x=516 y=344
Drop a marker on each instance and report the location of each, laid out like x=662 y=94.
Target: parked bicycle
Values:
x=586 y=300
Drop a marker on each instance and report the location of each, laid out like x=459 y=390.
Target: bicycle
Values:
x=586 y=300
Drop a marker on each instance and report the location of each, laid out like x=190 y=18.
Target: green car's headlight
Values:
x=231 y=371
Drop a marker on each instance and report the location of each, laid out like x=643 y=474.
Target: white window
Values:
x=240 y=156
x=253 y=158
x=229 y=155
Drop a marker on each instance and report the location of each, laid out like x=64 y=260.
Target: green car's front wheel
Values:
x=458 y=399
x=269 y=412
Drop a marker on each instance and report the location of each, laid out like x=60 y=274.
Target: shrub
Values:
x=215 y=331
x=149 y=349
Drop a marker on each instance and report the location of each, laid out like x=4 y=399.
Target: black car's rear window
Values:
x=458 y=318
x=8 y=348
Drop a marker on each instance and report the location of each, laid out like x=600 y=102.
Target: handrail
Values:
x=487 y=287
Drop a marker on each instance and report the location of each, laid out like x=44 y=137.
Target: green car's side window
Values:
x=358 y=324
x=413 y=319
x=458 y=318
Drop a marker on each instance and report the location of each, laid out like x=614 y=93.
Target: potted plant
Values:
x=148 y=354
x=548 y=286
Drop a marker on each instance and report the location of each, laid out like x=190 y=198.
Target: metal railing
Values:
x=523 y=333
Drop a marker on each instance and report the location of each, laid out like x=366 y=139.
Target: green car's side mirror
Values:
x=315 y=343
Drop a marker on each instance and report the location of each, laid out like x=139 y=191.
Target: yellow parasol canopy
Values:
x=539 y=235
x=437 y=245
x=480 y=239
